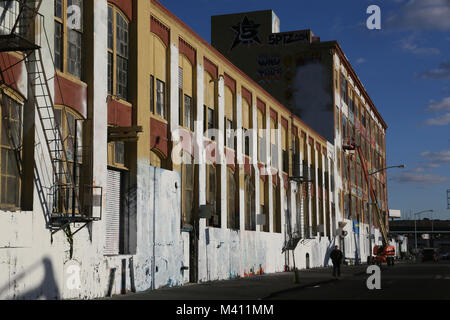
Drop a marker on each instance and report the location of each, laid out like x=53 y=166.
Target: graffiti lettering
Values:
x=269 y=61
x=288 y=38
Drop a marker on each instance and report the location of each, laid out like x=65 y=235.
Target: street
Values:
x=404 y=281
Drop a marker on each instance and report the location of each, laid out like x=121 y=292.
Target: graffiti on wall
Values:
x=246 y=33
x=288 y=38
x=269 y=69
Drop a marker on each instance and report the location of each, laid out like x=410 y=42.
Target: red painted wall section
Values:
x=230 y=156
x=247 y=95
x=247 y=166
x=210 y=149
x=273 y=114
x=13 y=75
x=261 y=106
x=230 y=82
x=126 y=6
x=160 y=30
x=261 y=168
x=189 y=51
x=158 y=136
x=119 y=114
x=275 y=179
x=284 y=123
x=211 y=68
x=71 y=94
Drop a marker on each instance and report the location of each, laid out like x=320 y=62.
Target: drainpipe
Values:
x=154 y=229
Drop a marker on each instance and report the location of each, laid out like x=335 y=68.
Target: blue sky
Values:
x=405 y=68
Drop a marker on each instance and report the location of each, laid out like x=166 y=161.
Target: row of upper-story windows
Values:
x=356 y=109
x=68 y=42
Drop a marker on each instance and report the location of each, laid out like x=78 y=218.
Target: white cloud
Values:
x=360 y=60
x=441 y=72
x=443 y=105
x=413 y=178
x=437 y=157
x=439 y=121
x=410 y=44
x=422 y=15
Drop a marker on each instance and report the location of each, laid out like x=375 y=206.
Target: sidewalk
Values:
x=254 y=288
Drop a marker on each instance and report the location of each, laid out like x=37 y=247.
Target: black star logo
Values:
x=246 y=33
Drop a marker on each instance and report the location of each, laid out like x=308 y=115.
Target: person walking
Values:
x=336 y=258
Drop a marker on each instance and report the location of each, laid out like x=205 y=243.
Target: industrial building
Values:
x=100 y=101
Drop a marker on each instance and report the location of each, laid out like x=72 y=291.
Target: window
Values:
x=210 y=103
x=295 y=155
x=119 y=153
x=249 y=203
x=209 y=120
x=274 y=144
x=118 y=53
x=276 y=210
x=11 y=141
x=261 y=140
x=246 y=116
x=229 y=117
x=186 y=92
x=284 y=150
x=211 y=195
x=152 y=94
x=232 y=205
x=337 y=118
x=71 y=127
x=188 y=113
x=344 y=95
x=350 y=101
x=262 y=203
x=161 y=99
x=187 y=172
x=229 y=141
x=336 y=79
x=69 y=36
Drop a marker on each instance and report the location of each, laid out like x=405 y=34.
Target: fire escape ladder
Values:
x=65 y=187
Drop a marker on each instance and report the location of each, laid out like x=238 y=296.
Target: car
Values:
x=429 y=254
x=444 y=256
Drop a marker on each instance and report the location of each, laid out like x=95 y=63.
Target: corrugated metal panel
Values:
x=112 y=216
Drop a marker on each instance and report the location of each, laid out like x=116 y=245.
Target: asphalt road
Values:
x=404 y=281
x=420 y=281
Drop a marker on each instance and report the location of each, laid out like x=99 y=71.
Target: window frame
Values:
x=63 y=65
x=114 y=84
x=6 y=115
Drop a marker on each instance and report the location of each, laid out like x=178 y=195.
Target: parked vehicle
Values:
x=429 y=254
x=444 y=256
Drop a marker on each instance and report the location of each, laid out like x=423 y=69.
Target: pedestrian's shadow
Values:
x=47 y=289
